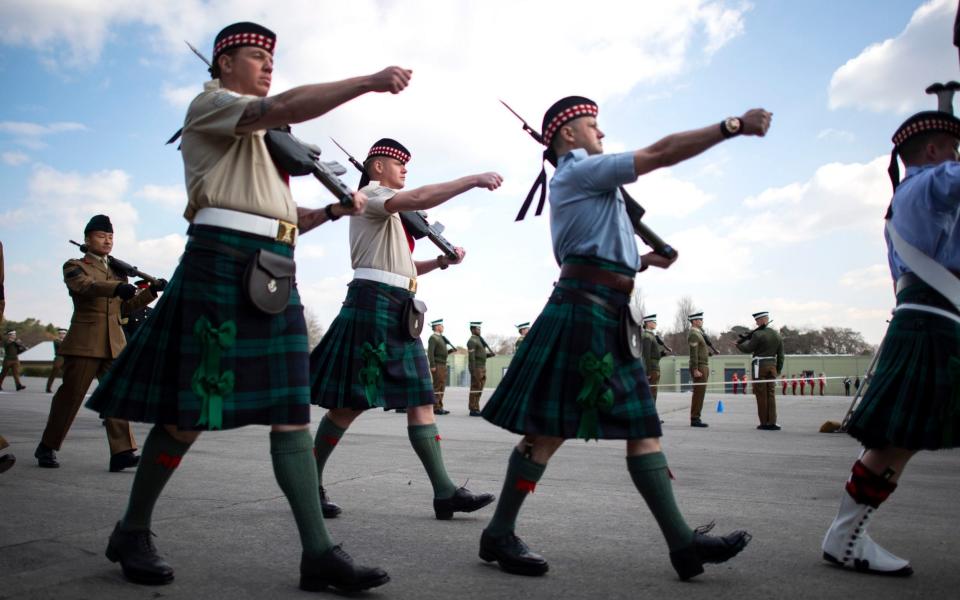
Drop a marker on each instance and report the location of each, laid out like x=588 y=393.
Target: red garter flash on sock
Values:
x=525 y=485
x=330 y=440
x=867 y=487
x=437 y=437
x=167 y=461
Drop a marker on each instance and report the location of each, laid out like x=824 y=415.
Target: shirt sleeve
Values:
x=945 y=185
x=217 y=113
x=377 y=197
x=605 y=172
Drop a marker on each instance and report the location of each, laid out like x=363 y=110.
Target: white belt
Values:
x=759 y=358
x=406 y=283
x=929 y=309
x=275 y=229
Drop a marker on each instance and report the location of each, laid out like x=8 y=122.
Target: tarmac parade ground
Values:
x=224 y=525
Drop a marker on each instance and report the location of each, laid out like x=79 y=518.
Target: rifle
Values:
x=661 y=342
x=635 y=212
x=299 y=158
x=742 y=337
x=490 y=352
x=121 y=267
x=20 y=346
x=449 y=343
x=709 y=344
x=415 y=221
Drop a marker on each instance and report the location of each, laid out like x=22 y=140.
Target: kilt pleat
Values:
x=913 y=398
x=152 y=380
x=344 y=373
x=543 y=390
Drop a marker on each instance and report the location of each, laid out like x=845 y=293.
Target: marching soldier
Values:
x=652 y=352
x=372 y=354
x=477 y=355
x=767 y=348
x=437 y=357
x=100 y=298
x=699 y=367
x=911 y=402
x=57 y=369
x=12 y=348
x=522 y=329
x=576 y=375
x=214 y=354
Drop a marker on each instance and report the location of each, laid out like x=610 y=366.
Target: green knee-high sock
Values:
x=296 y=472
x=159 y=458
x=522 y=477
x=328 y=434
x=425 y=440
x=650 y=475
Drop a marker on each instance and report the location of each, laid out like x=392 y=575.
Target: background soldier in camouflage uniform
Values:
x=699 y=367
x=437 y=357
x=767 y=348
x=11 y=359
x=477 y=356
x=57 y=369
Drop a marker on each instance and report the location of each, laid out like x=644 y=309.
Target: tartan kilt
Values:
x=366 y=359
x=913 y=398
x=152 y=380
x=539 y=393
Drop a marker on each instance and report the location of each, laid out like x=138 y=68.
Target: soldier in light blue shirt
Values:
x=579 y=373
x=912 y=401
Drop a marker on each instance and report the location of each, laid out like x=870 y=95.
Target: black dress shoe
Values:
x=21 y=387
x=697 y=423
x=774 y=427
x=401 y=410
x=138 y=557
x=440 y=411
x=123 y=460
x=762 y=427
x=46 y=457
x=475 y=413
x=689 y=561
x=512 y=555
x=463 y=500
x=334 y=568
x=7 y=461
x=330 y=510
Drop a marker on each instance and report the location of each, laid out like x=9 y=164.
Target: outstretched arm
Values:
x=678 y=147
x=307 y=102
x=428 y=196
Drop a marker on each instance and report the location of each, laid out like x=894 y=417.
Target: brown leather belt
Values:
x=590 y=274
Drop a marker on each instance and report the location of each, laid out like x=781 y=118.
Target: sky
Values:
x=790 y=223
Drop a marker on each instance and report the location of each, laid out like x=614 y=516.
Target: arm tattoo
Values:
x=254 y=112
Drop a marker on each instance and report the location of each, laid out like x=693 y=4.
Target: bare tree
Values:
x=314 y=328
x=501 y=344
x=685 y=307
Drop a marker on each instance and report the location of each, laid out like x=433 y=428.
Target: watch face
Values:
x=733 y=124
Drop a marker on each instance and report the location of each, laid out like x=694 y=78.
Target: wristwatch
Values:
x=328 y=210
x=443 y=262
x=731 y=126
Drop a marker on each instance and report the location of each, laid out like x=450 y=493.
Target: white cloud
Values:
x=890 y=76
x=181 y=96
x=15 y=159
x=31 y=135
x=838 y=196
x=664 y=195
x=874 y=276
x=839 y=135
x=168 y=196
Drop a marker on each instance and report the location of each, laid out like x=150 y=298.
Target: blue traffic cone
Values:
x=719 y=406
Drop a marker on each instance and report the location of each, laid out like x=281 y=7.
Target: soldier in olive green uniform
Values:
x=699 y=367
x=522 y=329
x=57 y=369
x=477 y=356
x=652 y=351
x=11 y=359
x=437 y=357
x=767 y=348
